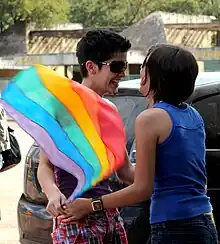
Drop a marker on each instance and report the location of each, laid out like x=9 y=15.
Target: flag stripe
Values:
x=35 y=91
x=44 y=141
x=63 y=91
x=15 y=98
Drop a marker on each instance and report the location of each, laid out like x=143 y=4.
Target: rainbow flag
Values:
x=79 y=131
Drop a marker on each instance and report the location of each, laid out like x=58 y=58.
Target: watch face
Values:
x=97 y=206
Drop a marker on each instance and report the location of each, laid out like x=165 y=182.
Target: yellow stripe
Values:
x=61 y=88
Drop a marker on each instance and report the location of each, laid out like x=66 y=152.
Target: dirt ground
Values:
x=11 y=187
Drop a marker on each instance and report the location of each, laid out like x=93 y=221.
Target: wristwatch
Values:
x=97 y=204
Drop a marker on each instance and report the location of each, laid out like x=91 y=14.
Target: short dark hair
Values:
x=99 y=46
x=173 y=71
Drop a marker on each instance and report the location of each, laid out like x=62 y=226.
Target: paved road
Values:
x=11 y=186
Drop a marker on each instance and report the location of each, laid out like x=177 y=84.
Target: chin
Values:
x=140 y=90
x=111 y=92
x=143 y=91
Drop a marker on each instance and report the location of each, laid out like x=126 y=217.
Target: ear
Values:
x=144 y=76
x=143 y=81
x=91 y=67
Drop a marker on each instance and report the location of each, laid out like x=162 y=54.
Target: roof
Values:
x=178 y=29
x=215 y=26
x=146 y=32
x=58 y=41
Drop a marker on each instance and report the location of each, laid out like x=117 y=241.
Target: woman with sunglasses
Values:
x=170 y=156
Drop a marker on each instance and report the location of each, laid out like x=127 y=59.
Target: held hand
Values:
x=55 y=204
x=76 y=210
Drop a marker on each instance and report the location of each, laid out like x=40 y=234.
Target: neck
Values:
x=88 y=83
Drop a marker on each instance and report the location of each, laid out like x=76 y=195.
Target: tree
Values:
x=98 y=13
x=40 y=12
x=181 y=6
x=210 y=7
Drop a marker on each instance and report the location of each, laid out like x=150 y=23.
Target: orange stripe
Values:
x=87 y=96
x=61 y=88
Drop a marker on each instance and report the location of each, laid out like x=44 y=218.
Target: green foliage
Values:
x=41 y=12
x=210 y=7
x=95 y=13
x=181 y=6
x=109 y=12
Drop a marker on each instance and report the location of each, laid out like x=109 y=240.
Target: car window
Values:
x=129 y=107
x=209 y=108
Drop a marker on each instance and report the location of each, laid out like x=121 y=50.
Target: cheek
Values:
x=103 y=79
x=106 y=77
x=109 y=78
x=144 y=89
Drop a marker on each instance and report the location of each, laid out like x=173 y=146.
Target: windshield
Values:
x=129 y=107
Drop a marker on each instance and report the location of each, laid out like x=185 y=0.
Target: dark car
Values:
x=35 y=224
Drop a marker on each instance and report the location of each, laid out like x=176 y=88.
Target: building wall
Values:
x=8 y=72
x=5 y=76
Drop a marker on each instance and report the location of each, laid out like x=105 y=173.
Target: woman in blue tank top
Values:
x=170 y=154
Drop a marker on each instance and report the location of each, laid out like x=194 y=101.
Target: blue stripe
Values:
x=35 y=91
x=15 y=98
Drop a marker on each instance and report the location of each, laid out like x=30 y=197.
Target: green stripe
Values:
x=35 y=91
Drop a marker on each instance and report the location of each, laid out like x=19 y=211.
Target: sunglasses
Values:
x=116 y=66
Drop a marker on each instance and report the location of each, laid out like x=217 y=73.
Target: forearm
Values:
x=127 y=196
x=46 y=178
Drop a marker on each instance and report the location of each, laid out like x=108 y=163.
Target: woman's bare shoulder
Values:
x=152 y=114
x=156 y=120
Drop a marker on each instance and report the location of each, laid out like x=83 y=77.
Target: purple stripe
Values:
x=47 y=144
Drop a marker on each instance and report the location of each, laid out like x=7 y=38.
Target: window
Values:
x=129 y=107
x=209 y=108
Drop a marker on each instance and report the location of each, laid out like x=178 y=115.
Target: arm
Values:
x=149 y=131
x=46 y=178
x=126 y=172
x=146 y=133
x=141 y=189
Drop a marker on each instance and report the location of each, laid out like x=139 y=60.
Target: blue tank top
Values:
x=180 y=174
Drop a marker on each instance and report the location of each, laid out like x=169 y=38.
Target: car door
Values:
x=209 y=109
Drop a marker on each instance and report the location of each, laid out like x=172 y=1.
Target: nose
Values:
x=122 y=74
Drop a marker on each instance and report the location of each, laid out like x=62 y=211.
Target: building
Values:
x=22 y=46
